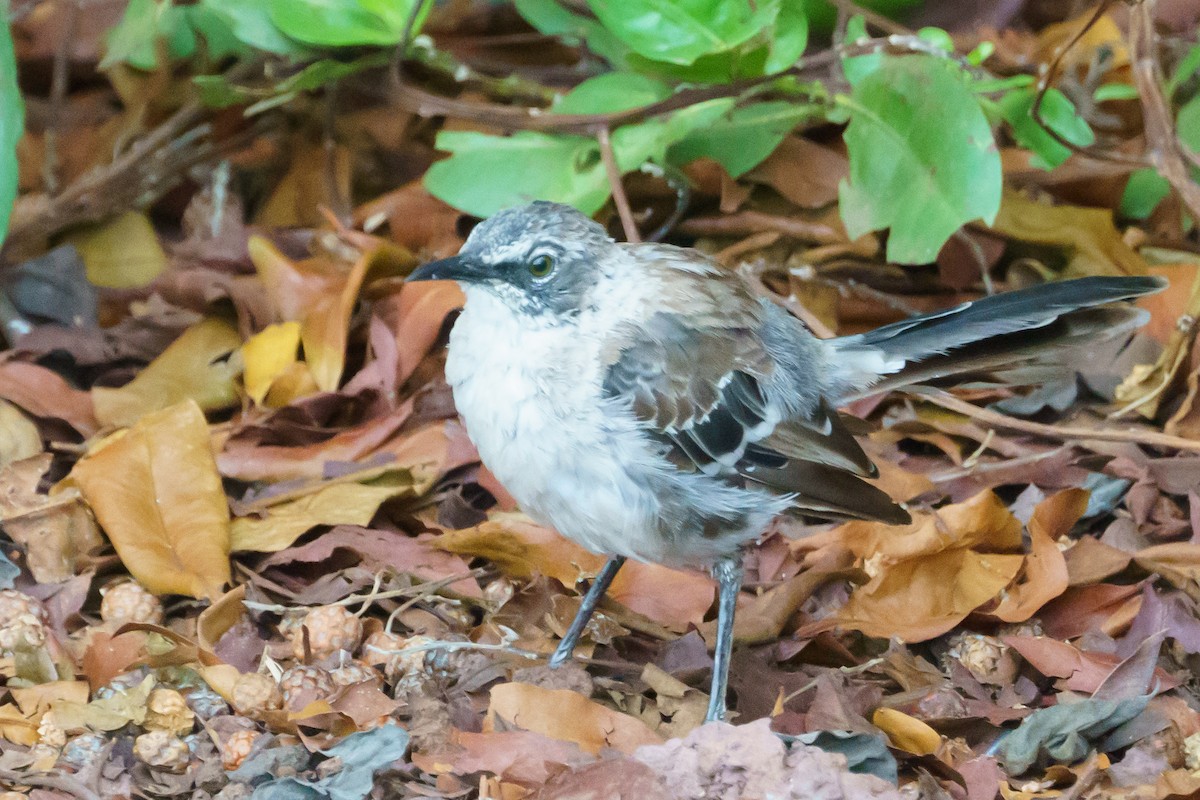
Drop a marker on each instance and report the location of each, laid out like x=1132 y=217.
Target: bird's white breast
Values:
x=530 y=394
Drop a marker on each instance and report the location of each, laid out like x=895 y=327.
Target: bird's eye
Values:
x=541 y=266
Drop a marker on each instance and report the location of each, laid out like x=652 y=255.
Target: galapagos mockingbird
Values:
x=643 y=402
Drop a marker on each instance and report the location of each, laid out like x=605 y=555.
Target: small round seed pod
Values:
x=128 y=601
x=255 y=693
x=302 y=685
x=237 y=747
x=330 y=629
x=162 y=750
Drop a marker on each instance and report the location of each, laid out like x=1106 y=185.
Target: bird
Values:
x=646 y=403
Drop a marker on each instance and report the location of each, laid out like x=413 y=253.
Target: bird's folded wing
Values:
x=696 y=382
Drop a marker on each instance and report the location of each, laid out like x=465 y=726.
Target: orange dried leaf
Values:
x=157 y=494
x=568 y=716
x=1045 y=568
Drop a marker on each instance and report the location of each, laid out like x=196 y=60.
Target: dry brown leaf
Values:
x=305 y=188
x=157 y=494
x=196 y=367
x=803 y=171
x=522 y=549
x=44 y=393
x=225 y=612
x=520 y=756
x=416 y=219
x=320 y=293
x=334 y=504
x=568 y=716
x=932 y=573
x=1045 y=575
x=56 y=531
x=1178 y=562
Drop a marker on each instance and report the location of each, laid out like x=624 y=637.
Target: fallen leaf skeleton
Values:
x=644 y=403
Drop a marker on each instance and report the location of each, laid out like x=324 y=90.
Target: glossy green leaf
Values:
x=345 y=23
x=553 y=19
x=859 y=67
x=922 y=158
x=487 y=173
x=1058 y=114
x=251 y=23
x=132 y=40
x=743 y=138
x=1115 y=91
x=1187 y=123
x=790 y=37
x=681 y=31
x=612 y=91
x=12 y=122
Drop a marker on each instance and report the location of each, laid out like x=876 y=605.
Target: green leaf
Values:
x=922 y=158
x=1115 y=91
x=859 y=67
x=217 y=32
x=12 y=122
x=937 y=37
x=981 y=53
x=132 y=40
x=345 y=23
x=790 y=37
x=488 y=173
x=1187 y=123
x=1185 y=69
x=485 y=174
x=743 y=138
x=612 y=91
x=552 y=19
x=251 y=23
x=681 y=31
x=1057 y=112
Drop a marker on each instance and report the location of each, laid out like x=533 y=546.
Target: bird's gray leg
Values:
x=603 y=579
x=728 y=572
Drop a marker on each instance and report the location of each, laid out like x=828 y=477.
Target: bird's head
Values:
x=539 y=258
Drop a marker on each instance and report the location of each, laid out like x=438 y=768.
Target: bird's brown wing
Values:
x=693 y=373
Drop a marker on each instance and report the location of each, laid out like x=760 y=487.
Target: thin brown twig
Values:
x=744 y=223
x=59 y=80
x=1057 y=432
x=752 y=274
x=339 y=203
x=428 y=104
x=1047 y=78
x=1163 y=147
x=613 y=171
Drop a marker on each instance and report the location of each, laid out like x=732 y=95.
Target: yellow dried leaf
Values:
x=195 y=367
x=907 y=733
x=19 y=437
x=157 y=494
x=16 y=727
x=37 y=700
x=321 y=292
x=108 y=713
x=336 y=504
x=122 y=253
x=267 y=355
x=1092 y=242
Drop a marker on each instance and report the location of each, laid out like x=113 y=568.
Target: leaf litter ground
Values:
x=249 y=549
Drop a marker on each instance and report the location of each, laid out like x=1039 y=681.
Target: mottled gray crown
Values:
x=537 y=221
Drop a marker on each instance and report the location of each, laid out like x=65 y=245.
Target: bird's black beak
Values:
x=456 y=268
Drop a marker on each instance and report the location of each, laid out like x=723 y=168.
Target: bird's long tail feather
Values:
x=1001 y=331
